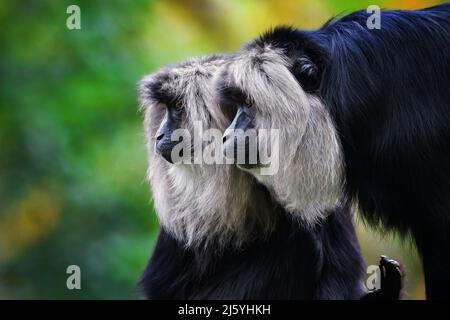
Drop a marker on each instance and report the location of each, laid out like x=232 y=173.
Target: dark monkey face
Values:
x=240 y=143
x=171 y=122
x=171 y=113
x=183 y=103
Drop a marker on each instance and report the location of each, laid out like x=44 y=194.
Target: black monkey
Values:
x=379 y=99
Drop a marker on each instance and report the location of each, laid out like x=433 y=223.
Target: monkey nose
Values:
x=164 y=149
x=167 y=156
x=159 y=136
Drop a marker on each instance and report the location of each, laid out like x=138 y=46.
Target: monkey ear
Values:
x=307 y=72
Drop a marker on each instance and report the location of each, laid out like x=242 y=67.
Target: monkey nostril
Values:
x=159 y=136
x=224 y=139
x=167 y=156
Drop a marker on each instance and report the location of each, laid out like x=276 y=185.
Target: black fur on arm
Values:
x=343 y=264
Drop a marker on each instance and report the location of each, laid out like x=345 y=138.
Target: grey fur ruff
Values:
x=310 y=178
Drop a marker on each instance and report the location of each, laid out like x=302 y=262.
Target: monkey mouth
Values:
x=245 y=166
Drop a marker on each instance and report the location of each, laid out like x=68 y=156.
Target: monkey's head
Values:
x=271 y=89
x=200 y=203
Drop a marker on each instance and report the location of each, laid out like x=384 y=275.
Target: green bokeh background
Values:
x=72 y=157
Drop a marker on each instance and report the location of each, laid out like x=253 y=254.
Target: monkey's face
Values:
x=197 y=202
x=183 y=105
x=270 y=89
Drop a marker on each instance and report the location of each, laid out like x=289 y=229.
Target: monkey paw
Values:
x=391 y=278
x=391 y=281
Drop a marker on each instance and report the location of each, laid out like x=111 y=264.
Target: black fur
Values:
x=293 y=263
x=388 y=91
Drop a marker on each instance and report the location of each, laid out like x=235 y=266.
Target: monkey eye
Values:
x=248 y=101
x=178 y=105
x=240 y=98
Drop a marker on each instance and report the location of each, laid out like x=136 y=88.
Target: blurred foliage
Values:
x=72 y=157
